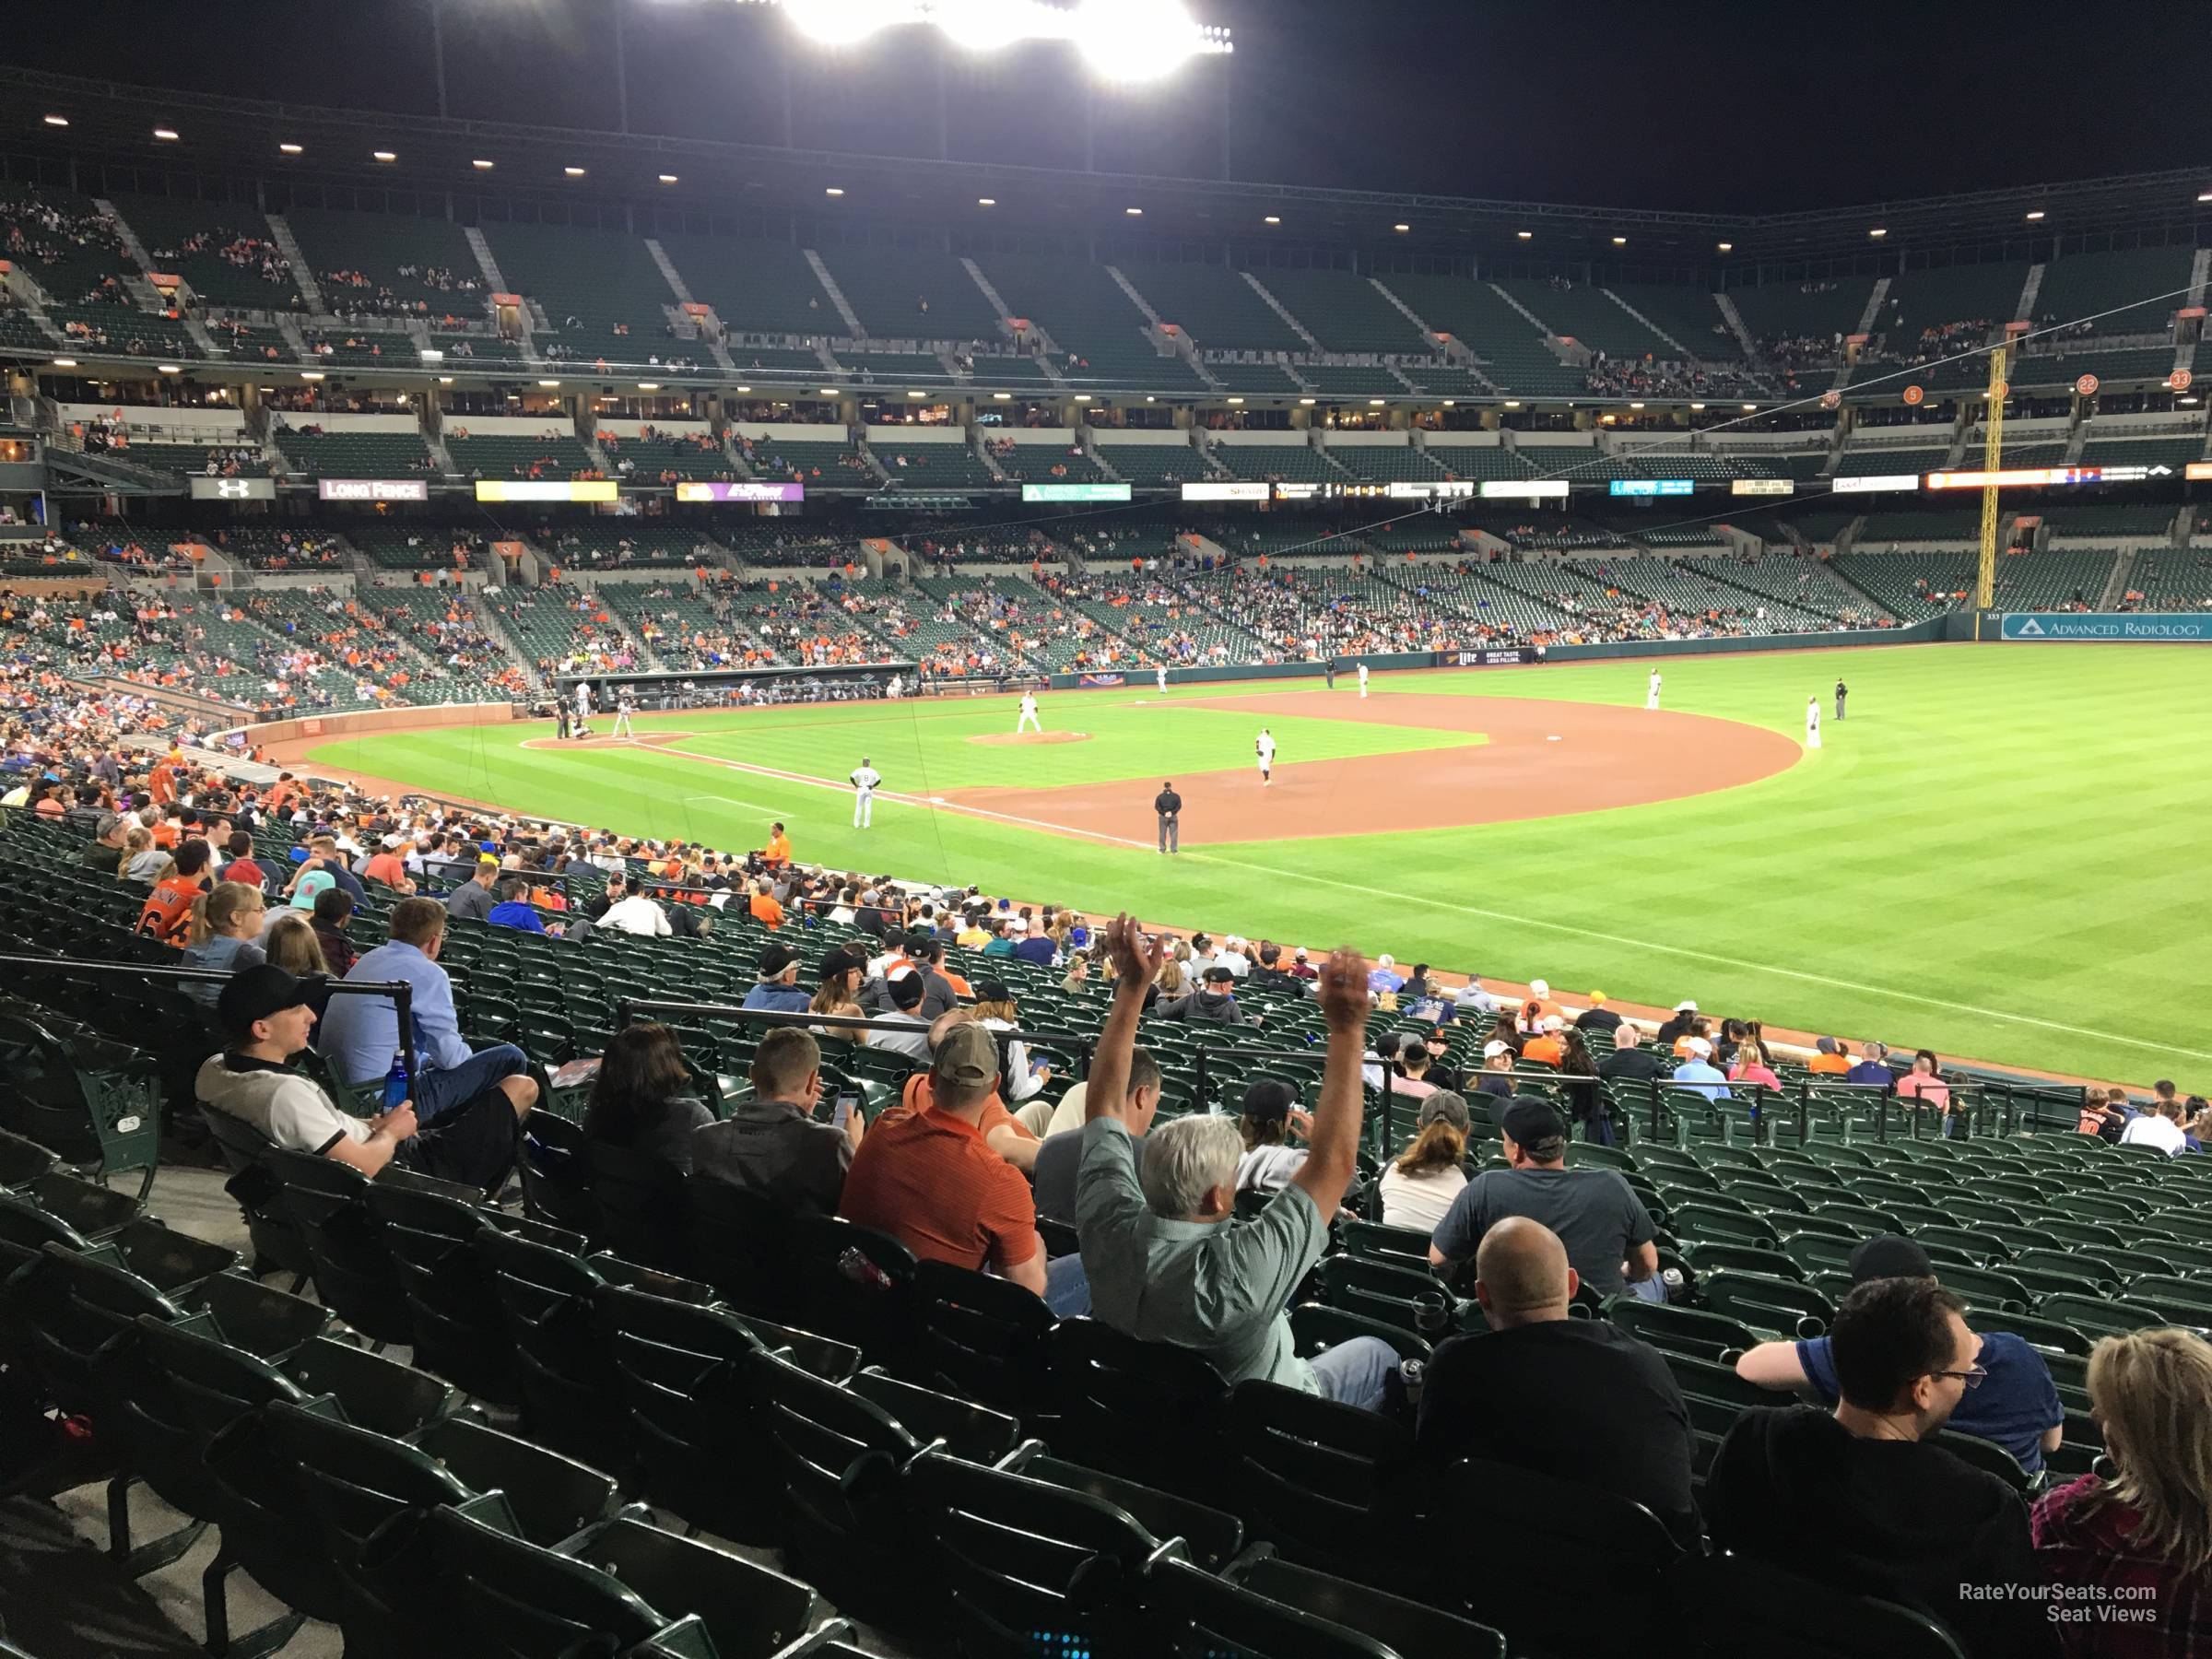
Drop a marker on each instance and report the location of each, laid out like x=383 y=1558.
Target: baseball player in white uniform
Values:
x=1028 y=721
x=584 y=708
x=624 y=708
x=1651 y=690
x=864 y=779
x=1364 y=679
x=1160 y=677
x=1263 y=747
x=893 y=690
x=1812 y=722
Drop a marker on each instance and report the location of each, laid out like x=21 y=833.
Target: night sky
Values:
x=1745 y=107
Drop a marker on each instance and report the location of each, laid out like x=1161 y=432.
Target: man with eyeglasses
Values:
x=1865 y=1501
x=2015 y=1405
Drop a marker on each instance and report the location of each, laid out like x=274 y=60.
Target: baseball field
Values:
x=2000 y=852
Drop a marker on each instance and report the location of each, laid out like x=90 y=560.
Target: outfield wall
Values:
x=2080 y=627
x=362 y=723
x=1914 y=634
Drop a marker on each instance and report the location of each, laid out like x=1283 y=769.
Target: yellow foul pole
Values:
x=1985 y=578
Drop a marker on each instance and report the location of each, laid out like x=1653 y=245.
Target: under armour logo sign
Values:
x=232 y=489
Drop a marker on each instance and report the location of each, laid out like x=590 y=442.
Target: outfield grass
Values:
x=2000 y=853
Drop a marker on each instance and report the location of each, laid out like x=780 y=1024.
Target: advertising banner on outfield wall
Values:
x=372 y=489
x=2120 y=626
x=232 y=490
x=1488 y=656
x=1880 y=482
x=546 y=489
x=742 y=489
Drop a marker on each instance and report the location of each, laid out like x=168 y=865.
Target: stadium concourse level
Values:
x=857 y=317
x=805 y=1294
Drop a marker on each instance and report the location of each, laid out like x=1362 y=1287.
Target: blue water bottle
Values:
x=395 y=1082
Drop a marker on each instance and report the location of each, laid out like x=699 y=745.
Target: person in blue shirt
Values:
x=2015 y=1405
x=514 y=908
x=359 y=1035
x=1698 y=1070
x=1873 y=1066
x=779 y=982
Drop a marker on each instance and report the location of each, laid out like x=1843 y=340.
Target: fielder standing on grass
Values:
x=1168 y=805
x=1028 y=721
x=1812 y=722
x=1160 y=677
x=864 y=779
x=1263 y=747
x=625 y=706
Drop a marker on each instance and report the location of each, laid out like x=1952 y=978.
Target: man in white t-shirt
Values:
x=2160 y=1127
x=864 y=779
x=636 y=914
x=266 y=1014
x=1028 y=721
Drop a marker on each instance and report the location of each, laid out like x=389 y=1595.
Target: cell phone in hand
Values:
x=846 y=1105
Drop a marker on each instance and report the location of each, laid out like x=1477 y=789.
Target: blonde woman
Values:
x=225 y=922
x=291 y=945
x=2143 y=1525
x=142 y=861
x=1171 y=978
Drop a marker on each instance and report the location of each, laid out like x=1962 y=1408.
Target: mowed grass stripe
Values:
x=2019 y=829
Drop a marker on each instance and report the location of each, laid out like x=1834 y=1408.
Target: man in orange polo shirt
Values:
x=764 y=906
x=1829 y=1060
x=778 y=851
x=1002 y=1132
x=927 y=1178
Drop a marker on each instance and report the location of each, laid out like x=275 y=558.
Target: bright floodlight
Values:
x=846 y=22
x=1121 y=40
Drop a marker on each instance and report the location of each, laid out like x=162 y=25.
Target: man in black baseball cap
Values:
x=778 y=977
x=2015 y=1404
x=266 y=1014
x=1213 y=1000
x=1608 y=1232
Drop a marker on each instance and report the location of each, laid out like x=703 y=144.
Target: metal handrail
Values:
x=399 y=991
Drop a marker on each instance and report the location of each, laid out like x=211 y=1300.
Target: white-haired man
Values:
x=1162 y=1263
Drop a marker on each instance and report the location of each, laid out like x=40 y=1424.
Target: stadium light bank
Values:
x=1119 y=39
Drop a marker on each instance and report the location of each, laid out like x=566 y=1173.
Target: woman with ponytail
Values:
x=1419 y=1186
x=225 y=922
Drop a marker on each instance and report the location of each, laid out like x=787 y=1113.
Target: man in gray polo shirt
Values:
x=1163 y=1263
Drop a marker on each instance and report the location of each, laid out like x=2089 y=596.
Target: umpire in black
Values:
x=1168 y=806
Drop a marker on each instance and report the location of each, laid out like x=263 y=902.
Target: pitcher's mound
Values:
x=1032 y=737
